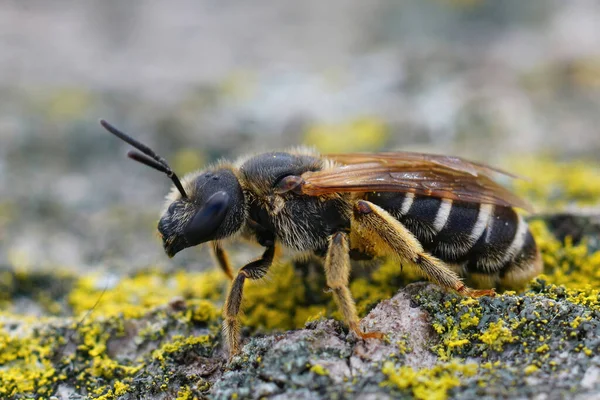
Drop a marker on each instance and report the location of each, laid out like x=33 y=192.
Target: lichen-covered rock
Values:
x=437 y=345
x=157 y=335
x=323 y=360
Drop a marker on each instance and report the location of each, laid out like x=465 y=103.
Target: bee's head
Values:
x=212 y=208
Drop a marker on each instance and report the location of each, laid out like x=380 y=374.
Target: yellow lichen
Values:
x=578 y=320
x=319 y=370
x=121 y=388
x=468 y=320
x=178 y=344
x=566 y=263
x=542 y=349
x=308 y=314
x=133 y=296
x=382 y=283
x=105 y=367
x=530 y=369
x=276 y=303
x=458 y=343
x=428 y=383
x=284 y=301
x=26 y=365
x=558 y=183
x=404 y=344
x=185 y=393
x=497 y=335
x=29 y=356
x=202 y=311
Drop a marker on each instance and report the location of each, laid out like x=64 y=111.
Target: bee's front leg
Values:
x=337 y=272
x=222 y=259
x=254 y=270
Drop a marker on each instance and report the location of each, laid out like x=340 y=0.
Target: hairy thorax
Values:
x=298 y=222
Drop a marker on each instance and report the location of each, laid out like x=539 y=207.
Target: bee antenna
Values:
x=149 y=157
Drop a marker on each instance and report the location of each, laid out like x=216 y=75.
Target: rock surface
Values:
x=157 y=334
x=542 y=344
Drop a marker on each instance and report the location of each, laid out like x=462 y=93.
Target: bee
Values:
x=444 y=215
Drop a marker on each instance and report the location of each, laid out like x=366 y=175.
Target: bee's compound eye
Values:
x=208 y=219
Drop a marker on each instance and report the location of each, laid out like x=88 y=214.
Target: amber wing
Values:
x=406 y=158
x=423 y=174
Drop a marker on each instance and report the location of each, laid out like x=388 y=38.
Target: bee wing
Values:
x=422 y=174
x=407 y=158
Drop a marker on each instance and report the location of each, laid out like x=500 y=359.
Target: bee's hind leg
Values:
x=337 y=272
x=372 y=221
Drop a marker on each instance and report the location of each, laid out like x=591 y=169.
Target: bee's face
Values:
x=214 y=210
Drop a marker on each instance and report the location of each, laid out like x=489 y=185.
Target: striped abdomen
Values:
x=480 y=239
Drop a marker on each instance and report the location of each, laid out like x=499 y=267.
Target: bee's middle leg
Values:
x=254 y=270
x=337 y=272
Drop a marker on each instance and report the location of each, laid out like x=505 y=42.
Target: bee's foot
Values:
x=366 y=335
x=465 y=291
x=232 y=355
x=370 y=335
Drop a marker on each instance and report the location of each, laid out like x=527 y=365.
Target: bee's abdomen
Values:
x=502 y=238
x=481 y=238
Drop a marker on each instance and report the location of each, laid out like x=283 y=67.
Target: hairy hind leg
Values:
x=388 y=231
x=337 y=272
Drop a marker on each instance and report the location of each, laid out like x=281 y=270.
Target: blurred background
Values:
x=199 y=80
